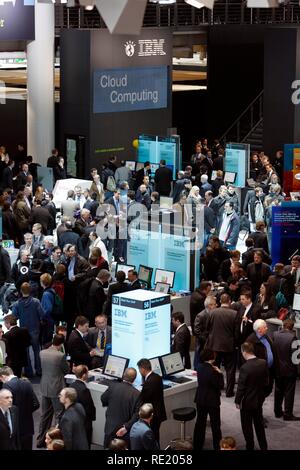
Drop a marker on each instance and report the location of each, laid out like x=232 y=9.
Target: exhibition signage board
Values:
x=237 y=161
x=291 y=167
x=17 y=20
x=285 y=232
x=131 y=89
x=156 y=148
x=45 y=177
x=141 y=325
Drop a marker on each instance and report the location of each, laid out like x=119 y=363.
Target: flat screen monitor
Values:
x=139 y=166
x=125 y=268
x=114 y=366
x=214 y=175
x=229 y=177
x=162 y=287
x=165 y=277
x=296 y=302
x=130 y=165
x=171 y=364
x=145 y=274
x=166 y=202
x=155 y=366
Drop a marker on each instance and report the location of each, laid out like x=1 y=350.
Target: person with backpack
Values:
x=30 y=313
x=108 y=180
x=52 y=306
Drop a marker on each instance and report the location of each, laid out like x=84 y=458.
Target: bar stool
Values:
x=183 y=415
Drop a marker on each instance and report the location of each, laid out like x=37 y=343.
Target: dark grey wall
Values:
x=13 y=124
x=281 y=47
x=83 y=52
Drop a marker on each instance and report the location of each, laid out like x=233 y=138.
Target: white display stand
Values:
x=141 y=324
x=61 y=188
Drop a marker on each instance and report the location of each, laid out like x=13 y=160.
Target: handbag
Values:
x=280 y=297
x=283 y=313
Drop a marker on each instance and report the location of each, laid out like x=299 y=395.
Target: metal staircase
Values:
x=248 y=127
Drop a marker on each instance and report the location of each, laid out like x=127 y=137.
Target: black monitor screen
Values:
x=172 y=363
x=145 y=274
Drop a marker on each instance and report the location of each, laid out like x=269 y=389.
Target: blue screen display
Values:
x=120 y=90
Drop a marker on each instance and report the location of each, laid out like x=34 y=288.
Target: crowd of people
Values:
x=57 y=300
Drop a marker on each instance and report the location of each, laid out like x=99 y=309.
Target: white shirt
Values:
x=146 y=377
x=81 y=334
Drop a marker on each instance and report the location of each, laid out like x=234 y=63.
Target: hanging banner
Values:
x=17 y=20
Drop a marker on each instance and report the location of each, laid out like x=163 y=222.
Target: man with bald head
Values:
x=121 y=401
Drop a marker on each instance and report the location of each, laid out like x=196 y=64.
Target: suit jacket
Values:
x=210 y=384
x=121 y=399
x=7 y=441
x=257 y=277
x=68 y=236
x=85 y=398
x=139 y=176
x=142 y=437
x=26 y=401
x=92 y=304
x=135 y=285
x=17 y=341
x=223 y=328
x=42 y=216
x=246 y=328
x=282 y=345
x=152 y=392
x=78 y=349
x=260 y=240
x=252 y=382
x=209 y=219
x=72 y=426
x=7 y=178
x=54 y=368
x=163 y=179
x=92 y=336
x=182 y=343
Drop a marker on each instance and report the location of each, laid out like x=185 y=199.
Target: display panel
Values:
x=115 y=366
x=165 y=277
x=130 y=165
x=172 y=363
x=145 y=274
x=237 y=161
x=162 y=287
x=125 y=268
x=155 y=365
x=229 y=177
x=166 y=202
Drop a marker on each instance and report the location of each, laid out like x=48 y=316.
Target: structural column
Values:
x=40 y=85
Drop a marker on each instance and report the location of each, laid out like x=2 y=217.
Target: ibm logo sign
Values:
x=146 y=47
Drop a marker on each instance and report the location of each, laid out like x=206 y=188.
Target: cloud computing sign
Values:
x=133 y=89
x=17 y=20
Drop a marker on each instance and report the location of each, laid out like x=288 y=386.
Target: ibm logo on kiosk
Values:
x=146 y=47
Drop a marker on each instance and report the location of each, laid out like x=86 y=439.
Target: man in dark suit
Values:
x=248 y=255
x=5 y=266
x=197 y=300
x=257 y=273
x=26 y=401
x=68 y=236
x=79 y=350
x=72 y=422
x=250 y=396
x=141 y=435
x=152 y=392
x=210 y=384
x=163 y=179
x=139 y=176
x=116 y=288
x=223 y=326
x=182 y=338
x=263 y=349
x=285 y=371
x=9 y=419
x=134 y=280
x=121 y=399
x=98 y=338
x=17 y=341
x=85 y=398
x=7 y=175
x=91 y=295
x=260 y=237
x=248 y=314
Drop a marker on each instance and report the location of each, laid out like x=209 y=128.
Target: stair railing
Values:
x=245 y=122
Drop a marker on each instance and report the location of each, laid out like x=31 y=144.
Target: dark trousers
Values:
x=155 y=425
x=248 y=419
x=284 y=390
x=200 y=426
x=229 y=360
x=50 y=406
x=89 y=431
